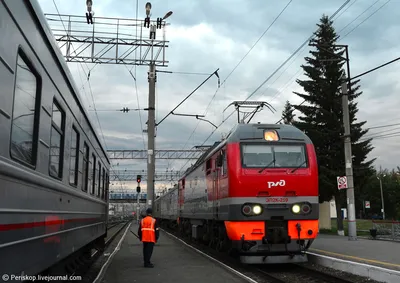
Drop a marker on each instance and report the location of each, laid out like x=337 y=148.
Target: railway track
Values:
x=112 y=231
x=283 y=273
x=79 y=265
x=296 y=273
x=113 y=224
x=83 y=270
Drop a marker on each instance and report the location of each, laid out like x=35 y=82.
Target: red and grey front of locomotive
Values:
x=273 y=206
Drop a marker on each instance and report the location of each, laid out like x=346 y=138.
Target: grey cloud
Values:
x=234 y=28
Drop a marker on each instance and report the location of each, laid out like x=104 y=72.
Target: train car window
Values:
x=57 y=141
x=99 y=185
x=85 y=168
x=74 y=158
x=26 y=111
x=93 y=175
x=208 y=167
x=103 y=187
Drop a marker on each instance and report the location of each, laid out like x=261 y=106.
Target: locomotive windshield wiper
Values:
x=273 y=161
x=304 y=162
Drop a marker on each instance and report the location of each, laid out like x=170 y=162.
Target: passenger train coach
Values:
x=254 y=194
x=53 y=168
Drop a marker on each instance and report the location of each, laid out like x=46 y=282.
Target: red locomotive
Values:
x=254 y=193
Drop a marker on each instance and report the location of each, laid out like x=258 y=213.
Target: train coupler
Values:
x=246 y=245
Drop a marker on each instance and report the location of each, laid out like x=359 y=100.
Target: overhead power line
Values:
x=265 y=81
x=183 y=73
x=351 y=32
x=365 y=19
x=237 y=65
x=360 y=75
x=287 y=84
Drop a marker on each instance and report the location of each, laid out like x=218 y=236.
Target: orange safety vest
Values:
x=148 y=231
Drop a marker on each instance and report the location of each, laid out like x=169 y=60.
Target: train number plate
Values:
x=277 y=199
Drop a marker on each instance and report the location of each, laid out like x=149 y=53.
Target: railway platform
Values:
x=379 y=260
x=173 y=262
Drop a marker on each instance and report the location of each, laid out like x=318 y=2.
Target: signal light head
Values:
x=139 y=178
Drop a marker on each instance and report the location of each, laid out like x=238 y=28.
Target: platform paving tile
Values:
x=375 y=252
x=173 y=261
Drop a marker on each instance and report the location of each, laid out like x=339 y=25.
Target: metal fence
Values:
x=387 y=230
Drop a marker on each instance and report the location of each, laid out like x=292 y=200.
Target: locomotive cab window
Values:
x=274 y=156
x=57 y=141
x=25 y=116
x=74 y=158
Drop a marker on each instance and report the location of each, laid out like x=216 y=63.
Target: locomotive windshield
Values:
x=273 y=156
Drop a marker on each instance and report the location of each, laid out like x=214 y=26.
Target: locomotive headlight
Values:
x=257 y=209
x=296 y=208
x=246 y=209
x=306 y=208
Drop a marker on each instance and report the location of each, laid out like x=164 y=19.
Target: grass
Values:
x=363 y=226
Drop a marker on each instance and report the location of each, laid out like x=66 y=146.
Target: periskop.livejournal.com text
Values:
x=12 y=277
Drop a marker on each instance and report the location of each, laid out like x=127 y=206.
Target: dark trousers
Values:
x=147 y=252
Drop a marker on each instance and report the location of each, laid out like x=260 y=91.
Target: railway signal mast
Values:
x=138 y=179
x=117 y=49
x=151 y=123
x=89 y=13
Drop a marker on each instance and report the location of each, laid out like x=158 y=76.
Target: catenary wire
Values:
x=237 y=65
x=347 y=35
x=287 y=60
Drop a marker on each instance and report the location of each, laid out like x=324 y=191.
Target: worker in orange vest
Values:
x=148 y=233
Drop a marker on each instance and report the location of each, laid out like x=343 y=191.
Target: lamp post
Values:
x=383 y=203
x=346 y=90
x=151 y=124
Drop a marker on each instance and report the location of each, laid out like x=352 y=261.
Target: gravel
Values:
x=338 y=273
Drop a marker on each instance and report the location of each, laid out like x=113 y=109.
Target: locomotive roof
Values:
x=287 y=133
x=253 y=132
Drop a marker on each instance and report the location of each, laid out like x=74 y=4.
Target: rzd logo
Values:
x=276 y=184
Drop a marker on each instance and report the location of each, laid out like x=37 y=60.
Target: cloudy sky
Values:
x=206 y=35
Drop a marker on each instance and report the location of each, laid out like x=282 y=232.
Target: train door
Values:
x=215 y=189
x=181 y=196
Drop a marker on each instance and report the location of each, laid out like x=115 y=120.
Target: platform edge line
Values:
x=248 y=279
x=349 y=258
x=371 y=271
x=101 y=274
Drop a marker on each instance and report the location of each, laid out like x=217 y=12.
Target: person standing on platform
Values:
x=148 y=233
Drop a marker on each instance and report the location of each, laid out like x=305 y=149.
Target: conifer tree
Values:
x=322 y=118
x=287 y=114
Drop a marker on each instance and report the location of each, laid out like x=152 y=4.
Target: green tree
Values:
x=322 y=118
x=287 y=114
